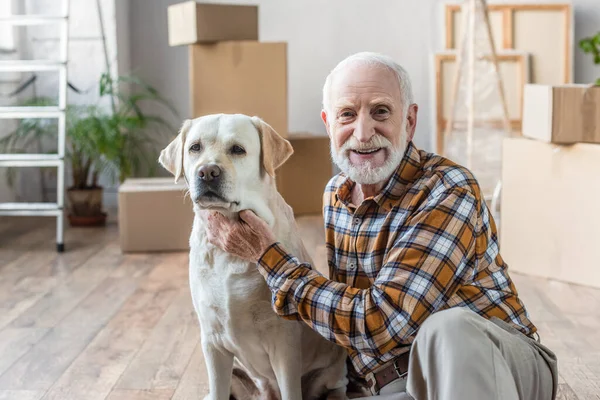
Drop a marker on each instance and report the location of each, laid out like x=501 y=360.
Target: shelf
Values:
x=21 y=209
x=30 y=112
x=32 y=19
x=30 y=65
x=30 y=160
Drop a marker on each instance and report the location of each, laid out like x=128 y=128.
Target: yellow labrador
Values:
x=229 y=163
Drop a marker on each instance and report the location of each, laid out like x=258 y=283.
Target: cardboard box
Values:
x=154 y=215
x=562 y=114
x=302 y=179
x=550 y=214
x=241 y=77
x=192 y=22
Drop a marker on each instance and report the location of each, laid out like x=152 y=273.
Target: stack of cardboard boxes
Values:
x=230 y=71
x=550 y=217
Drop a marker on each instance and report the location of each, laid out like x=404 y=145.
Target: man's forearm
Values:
x=335 y=310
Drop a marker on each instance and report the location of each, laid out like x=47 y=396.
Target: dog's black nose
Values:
x=209 y=172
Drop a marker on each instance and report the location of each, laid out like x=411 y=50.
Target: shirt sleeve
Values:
x=430 y=259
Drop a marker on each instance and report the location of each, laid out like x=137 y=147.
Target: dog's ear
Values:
x=171 y=157
x=274 y=148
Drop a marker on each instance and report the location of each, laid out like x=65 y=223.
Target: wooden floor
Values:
x=95 y=324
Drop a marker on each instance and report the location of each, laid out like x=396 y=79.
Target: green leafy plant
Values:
x=121 y=142
x=591 y=45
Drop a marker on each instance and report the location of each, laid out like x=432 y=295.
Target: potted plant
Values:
x=119 y=142
x=591 y=45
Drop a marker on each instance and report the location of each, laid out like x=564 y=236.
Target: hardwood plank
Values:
x=194 y=383
x=582 y=376
x=565 y=392
x=537 y=299
x=563 y=332
x=12 y=227
x=16 y=342
x=47 y=262
x=21 y=394
x=162 y=360
x=21 y=267
x=132 y=394
x=96 y=370
x=54 y=305
x=27 y=281
x=15 y=243
x=51 y=356
x=23 y=296
x=571 y=299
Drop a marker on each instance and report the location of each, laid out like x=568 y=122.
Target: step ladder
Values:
x=41 y=160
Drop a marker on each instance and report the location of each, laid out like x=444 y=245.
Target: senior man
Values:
x=418 y=292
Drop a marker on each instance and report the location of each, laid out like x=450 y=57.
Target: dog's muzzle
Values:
x=209 y=185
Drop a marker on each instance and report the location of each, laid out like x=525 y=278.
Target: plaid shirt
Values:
x=426 y=243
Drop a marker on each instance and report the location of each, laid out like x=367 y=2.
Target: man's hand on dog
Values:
x=247 y=238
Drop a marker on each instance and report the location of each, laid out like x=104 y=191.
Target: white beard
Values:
x=365 y=173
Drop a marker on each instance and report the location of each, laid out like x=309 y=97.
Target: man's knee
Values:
x=448 y=325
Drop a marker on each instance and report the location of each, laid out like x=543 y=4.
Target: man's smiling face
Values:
x=366 y=122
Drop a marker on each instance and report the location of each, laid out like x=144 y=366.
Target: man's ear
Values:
x=324 y=119
x=411 y=121
x=275 y=149
x=171 y=157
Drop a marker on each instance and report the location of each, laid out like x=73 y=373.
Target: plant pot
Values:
x=85 y=207
x=96 y=220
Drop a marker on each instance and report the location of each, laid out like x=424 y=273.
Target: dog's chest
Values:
x=231 y=299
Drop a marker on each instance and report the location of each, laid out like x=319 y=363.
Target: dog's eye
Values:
x=195 y=147
x=238 y=150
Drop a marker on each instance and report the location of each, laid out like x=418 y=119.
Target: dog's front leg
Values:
x=287 y=365
x=219 y=364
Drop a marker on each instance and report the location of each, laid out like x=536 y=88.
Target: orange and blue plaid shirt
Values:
x=426 y=243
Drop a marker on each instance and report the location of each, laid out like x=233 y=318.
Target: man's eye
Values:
x=195 y=147
x=382 y=110
x=238 y=150
x=347 y=114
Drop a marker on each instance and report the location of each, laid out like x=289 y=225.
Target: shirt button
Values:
x=351 y=266
x=356 y=221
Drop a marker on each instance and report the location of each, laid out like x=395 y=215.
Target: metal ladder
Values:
x=41 y=160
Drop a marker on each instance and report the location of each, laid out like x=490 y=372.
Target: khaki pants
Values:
x=458 y=354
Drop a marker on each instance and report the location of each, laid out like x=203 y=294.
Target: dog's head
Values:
x=225 y=158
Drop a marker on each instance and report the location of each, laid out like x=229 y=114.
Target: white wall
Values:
x=321 y=33
x=587 y=23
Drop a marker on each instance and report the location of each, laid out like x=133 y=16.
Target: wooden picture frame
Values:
x=514 y=89
x=522 y=28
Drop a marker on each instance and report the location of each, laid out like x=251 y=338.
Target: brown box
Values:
x=192 y=22
x=301 y=180
x=241 y=77
x=562 y=114
x=154 y=215
x=550 y=214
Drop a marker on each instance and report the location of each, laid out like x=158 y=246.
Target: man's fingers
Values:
x=252 y=219
x=218 y=221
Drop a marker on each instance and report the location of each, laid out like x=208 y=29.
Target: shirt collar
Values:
x=396 y=185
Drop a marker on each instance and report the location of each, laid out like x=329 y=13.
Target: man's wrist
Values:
x=263 y=255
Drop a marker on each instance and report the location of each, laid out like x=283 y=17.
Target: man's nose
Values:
x=209 y=172
x=364 y=128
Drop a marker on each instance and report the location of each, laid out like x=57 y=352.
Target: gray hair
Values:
x=369 y=58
